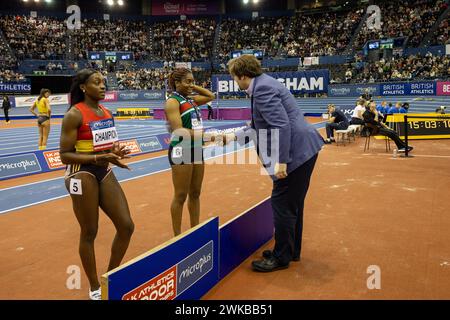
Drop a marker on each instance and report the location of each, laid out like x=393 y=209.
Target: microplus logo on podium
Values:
x=177 y=279
x=194 y=267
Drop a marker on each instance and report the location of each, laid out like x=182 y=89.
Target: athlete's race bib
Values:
x=177 y=152
x=197 y=123
x=104 y=134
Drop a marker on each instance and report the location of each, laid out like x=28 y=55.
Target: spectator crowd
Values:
x=321 y=34
x=263 y=33
x=305 y=34
x=155 y=79
x=412 y=19
x=184 y=40
x=414 y=67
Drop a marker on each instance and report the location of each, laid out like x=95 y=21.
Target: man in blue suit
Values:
x=278 y=125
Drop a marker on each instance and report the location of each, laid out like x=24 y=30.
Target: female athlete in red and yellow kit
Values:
x=89 y=143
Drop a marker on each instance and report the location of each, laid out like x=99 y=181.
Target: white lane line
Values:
x=124 y=180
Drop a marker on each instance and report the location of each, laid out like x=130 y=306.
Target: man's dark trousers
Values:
x=288 y=198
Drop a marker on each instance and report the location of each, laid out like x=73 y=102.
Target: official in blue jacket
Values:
x=392 y=109
x=293 y=146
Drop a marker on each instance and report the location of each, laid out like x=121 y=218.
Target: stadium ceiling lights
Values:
x=247 y=1
x=111 y=2
x=37 y=1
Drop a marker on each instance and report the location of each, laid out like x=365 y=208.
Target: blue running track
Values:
x=22 y=196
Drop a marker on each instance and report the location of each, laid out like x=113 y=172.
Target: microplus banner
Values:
x=315 y=81
x=353 y=90
x=140 y=95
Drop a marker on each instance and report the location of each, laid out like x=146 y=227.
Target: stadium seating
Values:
x=25 y=40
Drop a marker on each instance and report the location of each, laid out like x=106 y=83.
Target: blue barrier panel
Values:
x=150 y=144
x=12 y=100
x=418 y=88
x=353 y=90
x=16 y=87
x=19 y=165
x=184 y=268
x=434 y=50
x=288 y=62
x=421 y=88
x=334 y=59
x=140 y=95
x=242 y=236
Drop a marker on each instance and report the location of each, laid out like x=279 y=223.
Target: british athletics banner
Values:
x=15 y=87
x=353 y=90
x=190 y=7
x=424 y=88
x=297 y=82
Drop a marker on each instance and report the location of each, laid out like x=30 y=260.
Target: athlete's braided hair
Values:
x=177 y=75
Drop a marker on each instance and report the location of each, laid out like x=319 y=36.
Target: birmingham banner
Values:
x=315 y=81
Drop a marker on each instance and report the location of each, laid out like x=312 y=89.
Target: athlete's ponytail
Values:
x=76 y=94
x=42 y=93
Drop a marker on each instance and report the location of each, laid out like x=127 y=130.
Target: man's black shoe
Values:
x=267 y=254
x=402 y=150
x=268 y=265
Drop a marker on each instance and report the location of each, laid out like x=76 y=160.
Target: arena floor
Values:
x=363 y=209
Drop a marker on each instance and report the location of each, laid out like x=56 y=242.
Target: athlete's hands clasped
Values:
x=117 y=153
